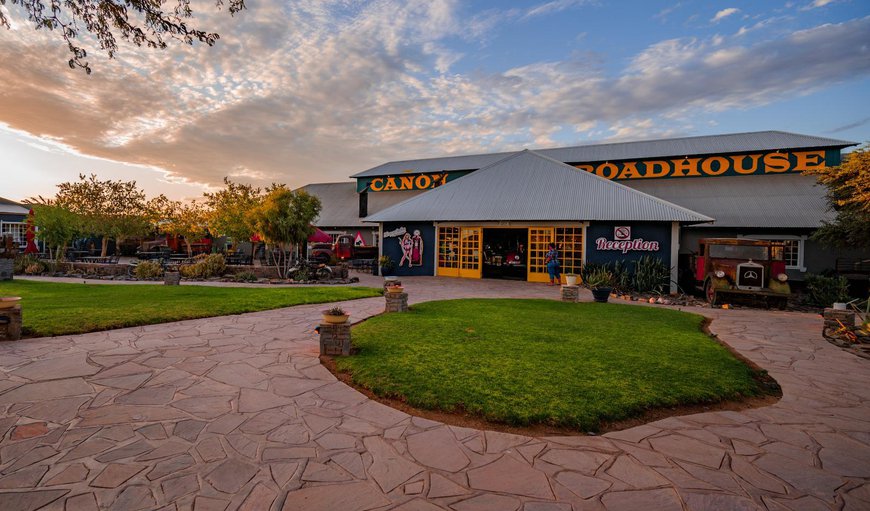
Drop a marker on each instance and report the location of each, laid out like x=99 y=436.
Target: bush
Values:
x=621 y=276
x=24 y=261
x=599 y=278
x=651 y=275
x=147 y=270
x=34 y=268
x=245 y=276
x=824 y=291
x=207 y=266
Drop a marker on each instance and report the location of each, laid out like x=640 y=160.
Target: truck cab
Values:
x=742 y=269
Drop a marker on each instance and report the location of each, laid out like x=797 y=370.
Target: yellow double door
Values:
x=470 y=249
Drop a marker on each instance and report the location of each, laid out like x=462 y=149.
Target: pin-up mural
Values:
x=406 y=245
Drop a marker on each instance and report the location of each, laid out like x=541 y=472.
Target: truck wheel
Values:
x=710 y=292
x=324 y=273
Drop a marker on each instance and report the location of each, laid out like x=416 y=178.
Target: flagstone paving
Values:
x=236 y=413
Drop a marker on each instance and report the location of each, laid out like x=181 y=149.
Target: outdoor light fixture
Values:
x=782 y=277
x=720 y=274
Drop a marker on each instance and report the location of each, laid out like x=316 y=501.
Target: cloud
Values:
x=312 y=91
x=724 y=13
x=553 y=7
x=815 y=4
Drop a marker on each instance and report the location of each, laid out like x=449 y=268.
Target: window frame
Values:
x=801 y=244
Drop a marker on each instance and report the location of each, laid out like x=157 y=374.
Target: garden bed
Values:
x=542 y=364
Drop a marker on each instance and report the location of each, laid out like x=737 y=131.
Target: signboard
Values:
x=421 y=181
x=622 y=233
x=622 y=241
x=705 y=166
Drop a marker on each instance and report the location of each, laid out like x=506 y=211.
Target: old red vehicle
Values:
x=742 y=269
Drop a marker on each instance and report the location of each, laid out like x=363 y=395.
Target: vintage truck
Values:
x=745 y=270
x=342 y=250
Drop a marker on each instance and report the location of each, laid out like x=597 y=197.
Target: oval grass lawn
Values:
x=526 y=362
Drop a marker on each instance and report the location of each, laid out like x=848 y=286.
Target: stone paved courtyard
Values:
x=237 y=413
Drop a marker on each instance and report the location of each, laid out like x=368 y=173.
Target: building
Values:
x=339 y=214
x=13 y=221
x=683 y=189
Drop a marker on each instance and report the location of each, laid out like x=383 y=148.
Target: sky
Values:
x=311 y=91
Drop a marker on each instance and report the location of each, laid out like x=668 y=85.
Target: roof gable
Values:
x=530 y=186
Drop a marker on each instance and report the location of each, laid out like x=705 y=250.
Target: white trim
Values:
x=675 y=254
x=801 y=267
x=436 y=250
x=380 y=247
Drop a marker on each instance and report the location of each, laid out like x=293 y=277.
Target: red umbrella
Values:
x=319 y=237
x=30 y=236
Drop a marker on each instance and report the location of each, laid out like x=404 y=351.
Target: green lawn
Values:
x=55 y=309
x=527 y=362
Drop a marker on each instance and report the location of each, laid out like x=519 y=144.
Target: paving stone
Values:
x=59 y=411
x=240 y=375
x=648 y=500
x=288 y=453
x=83 y=502
x=73 y=473
x=389 y=469
x=226 y=424
x=188 y=429
x=634 y=474
x=148 y=396
x=358 y=496
x=29 y=500
x=170 y=466
x=746 y=471
x=417 y=505
x=489 y=502
x=633 y=435
x=117 y=433
x=204 y=407
x=352 y=462
x=807 y=478
x=264 y=422
x=134 y=498
x=128 y=451
x=414 y=488
x=153 y=432
x=289 y=434
x=260 y=498
x=179 y=486
x=209 y=504
x=67 y=366
x=283 y=472
x=244 y=445
x=31 y=430
x=438 y=448
x=116 y=474
x=34 y=456
x=332 y=441
x=165 y=450
x=231 y=475
x=583 y=486
x=318 y=424
x=211 y=449
x=497 y=442
x=46 y=390
x=718 y=501
x=125 y=414
x=580 y=461
x=507 y=475
x=25 y=478
x=440 y=486
x=531 y=451
x=378 y=414
x=688 y=449
x=319 y=472
x=124 y=369
x=253 y=400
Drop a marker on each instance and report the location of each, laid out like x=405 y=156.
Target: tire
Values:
x=323 y=273
x=710 y=292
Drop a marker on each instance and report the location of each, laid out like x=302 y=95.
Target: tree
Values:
x=109 y=209
x=284 y=220
x=143 y=22
x=177 y=218
x=849 y=196
x=230 y=210
x=57 y=226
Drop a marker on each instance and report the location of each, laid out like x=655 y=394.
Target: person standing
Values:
x=553 y=265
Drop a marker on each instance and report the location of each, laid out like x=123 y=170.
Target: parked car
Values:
x=742 y=269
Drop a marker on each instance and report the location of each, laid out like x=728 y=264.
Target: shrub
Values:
x=245 y=276
x=651 y=275
x=24 y=261
x=621 y=276
x=146 y=270
x=599 y=278
x=824 y=291
x=34 y=268
x=207 y=266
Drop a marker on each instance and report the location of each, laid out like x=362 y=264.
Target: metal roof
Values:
x=771 y=200
x=9 y=207
x=618 y=151
x=340 y=203
x=529 y=186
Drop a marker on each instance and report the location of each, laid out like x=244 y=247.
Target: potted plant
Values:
x=386 y=264
x=395 y=288
x=570 y=279
x=8 y=302
x=600 y=282
x=335 y=316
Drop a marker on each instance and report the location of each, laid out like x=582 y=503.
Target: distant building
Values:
x=13 y=220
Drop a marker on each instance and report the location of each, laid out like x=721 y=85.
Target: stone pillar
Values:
x=335 y=339
x=7 y=268
x=396 y=302
x=172 y=278
x=832 y=316
x=570 y=293
x=10 y=324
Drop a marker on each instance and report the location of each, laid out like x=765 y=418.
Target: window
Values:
x=448 y=247
x=792 y=250
x=363 y=204
x=15 y=229
x=569 y=241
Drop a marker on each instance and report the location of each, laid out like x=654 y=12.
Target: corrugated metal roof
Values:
x=340 y=203
x=10 y=207
x=776 y=201
x=643 y=149
x=530 y=186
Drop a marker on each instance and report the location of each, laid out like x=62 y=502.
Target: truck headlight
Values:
x=720 y=274
x=782 y=277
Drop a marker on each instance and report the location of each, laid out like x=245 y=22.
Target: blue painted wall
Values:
x=648 y=231
x=392 y=247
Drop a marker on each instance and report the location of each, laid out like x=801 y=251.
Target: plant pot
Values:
x=601 y=294
x=395 y=289
x=570 y=280
x=8 y=302
x=335 y=320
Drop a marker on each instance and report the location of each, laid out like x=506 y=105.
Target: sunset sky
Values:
x=303 y=91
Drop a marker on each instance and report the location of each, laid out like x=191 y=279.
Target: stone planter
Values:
x=601 y=294
x=172 y=278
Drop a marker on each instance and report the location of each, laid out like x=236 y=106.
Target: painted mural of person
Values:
x=405 y=244
x=416 y=249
